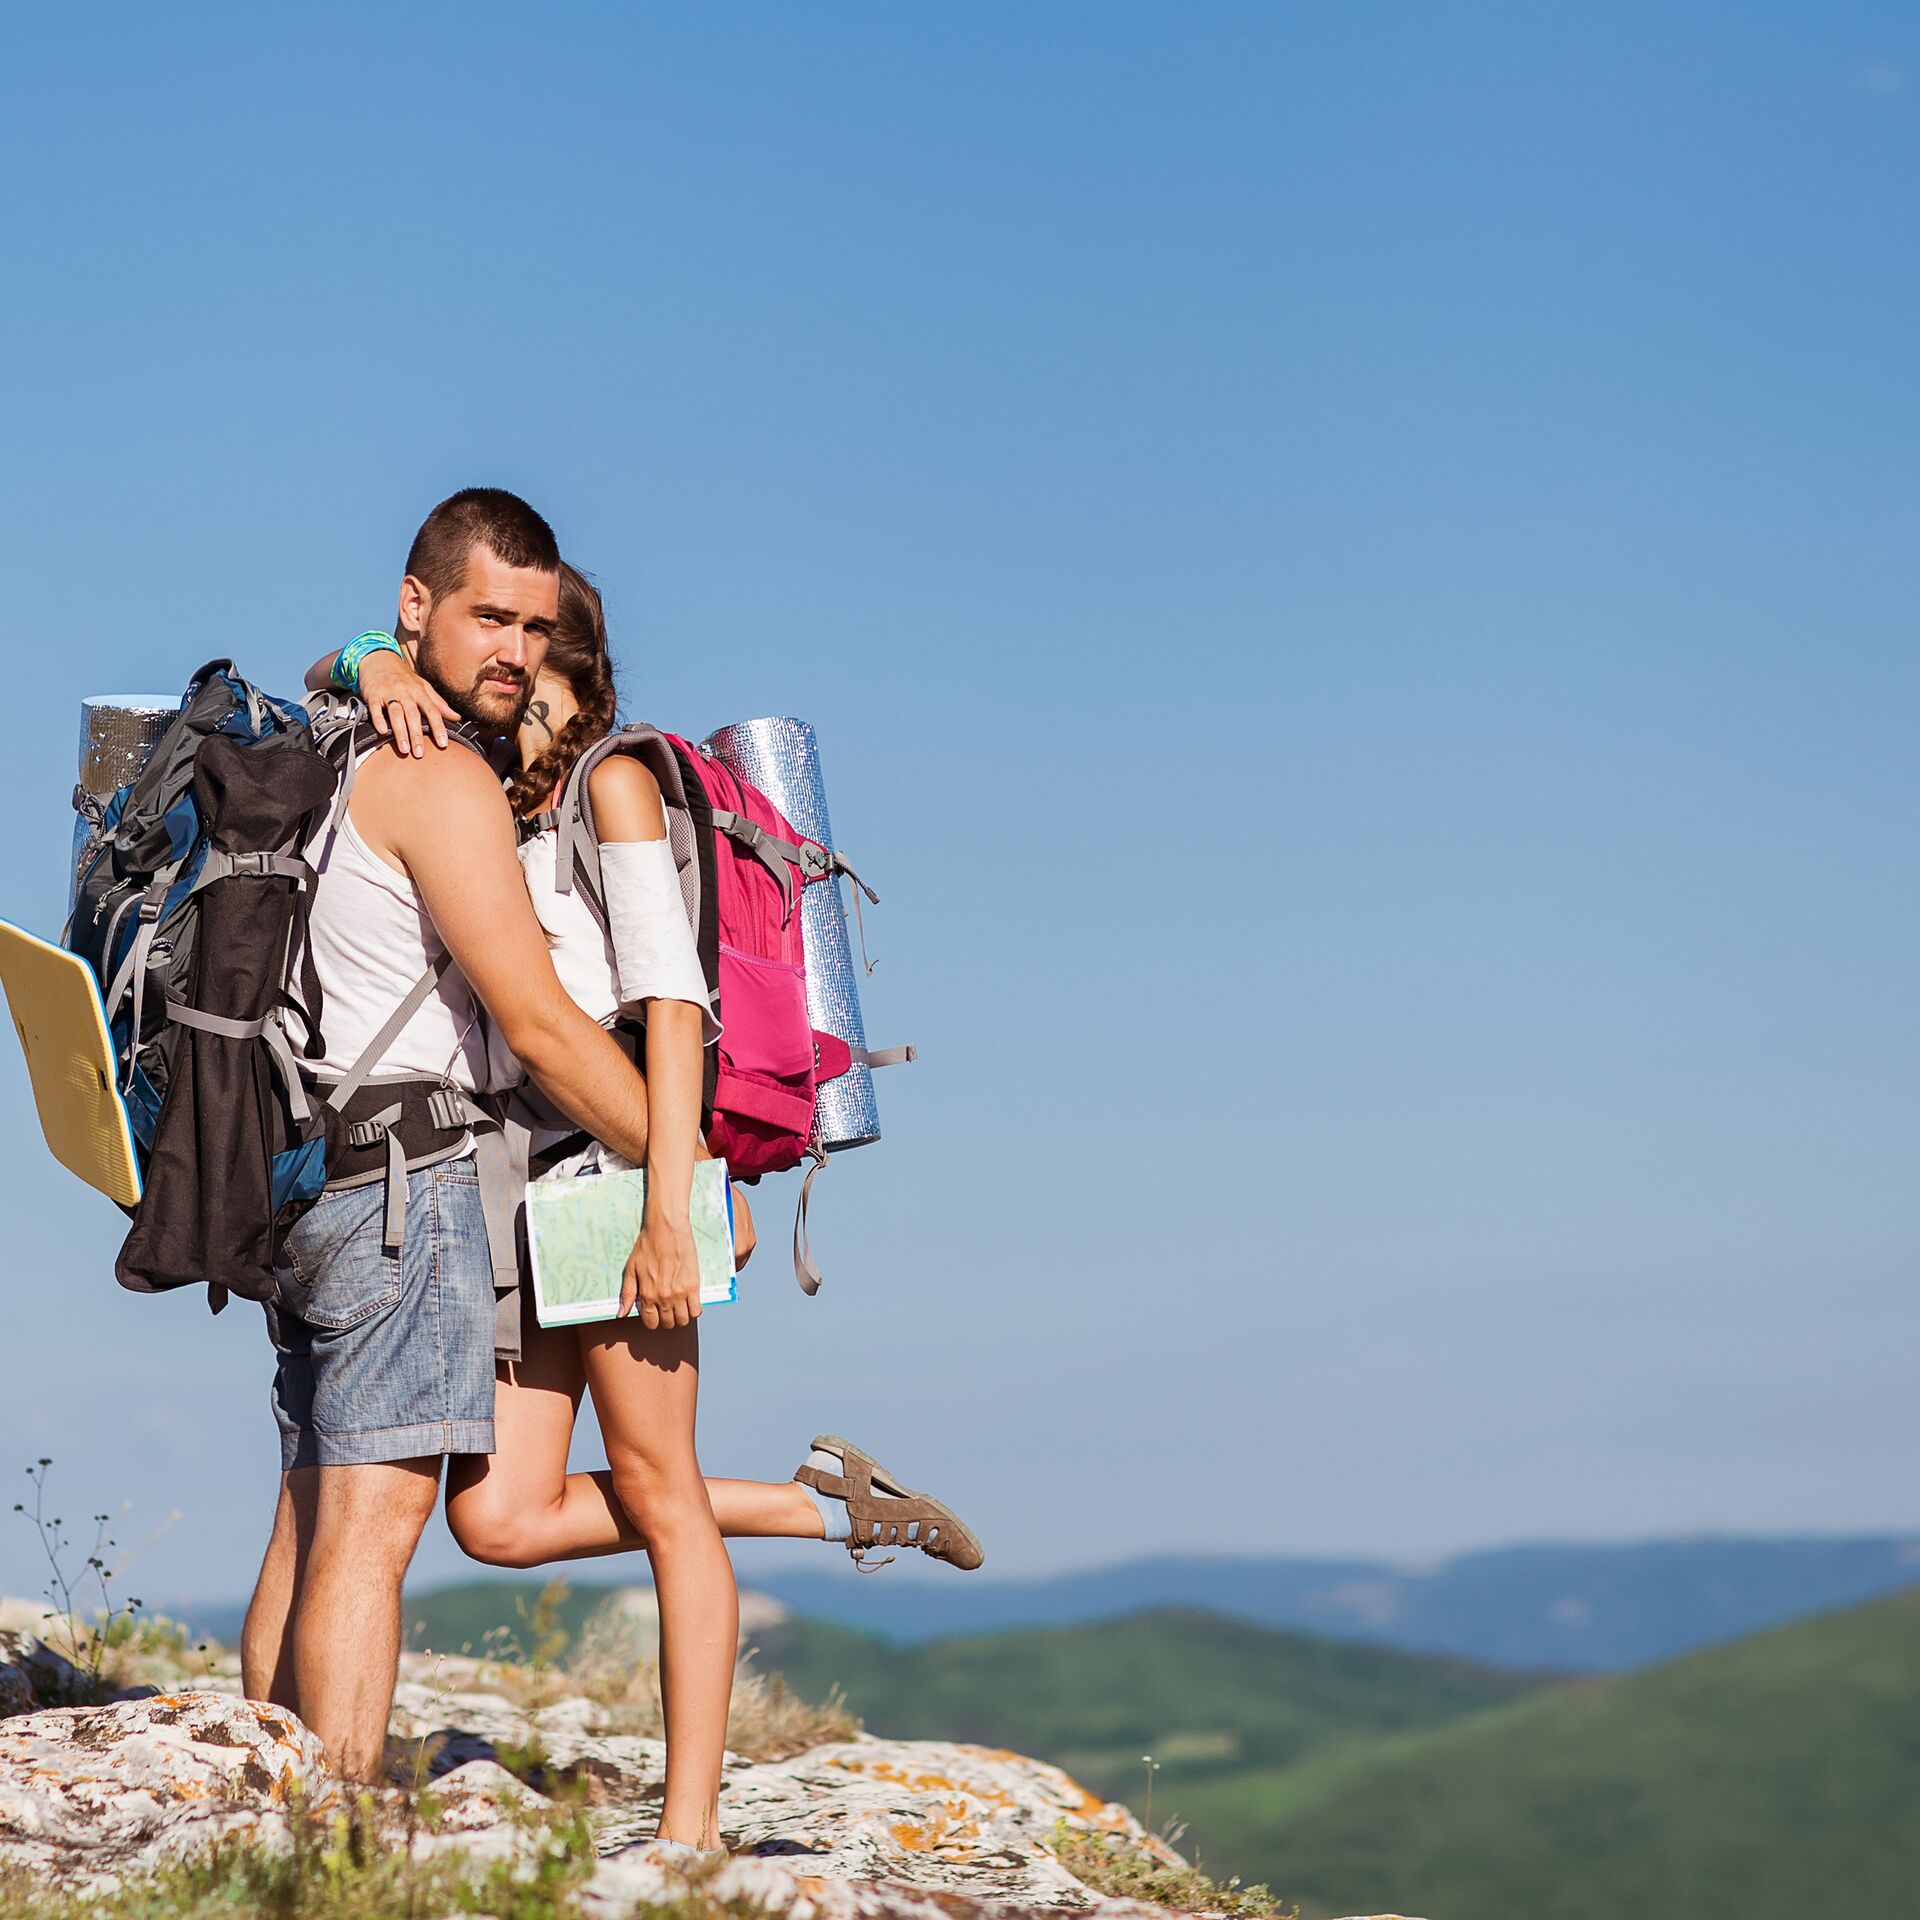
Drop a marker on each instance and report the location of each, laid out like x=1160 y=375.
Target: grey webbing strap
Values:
x=131 y=975
x=804 y=1270
x=884 y=1056
x=860 y=921
x=123 y=978
x=385 y=1125
x=841 y=864
x=221 y=866
x=288 y=1068
x=267 y=1028
x=217 y=1023
x=572 y=841
x=137 y=956
x=348 y=775
x=370 y=1057
x=500 y=1152
x=778 y=856
x=393 y=1235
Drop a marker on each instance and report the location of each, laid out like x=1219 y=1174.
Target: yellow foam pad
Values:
x=55 y=1003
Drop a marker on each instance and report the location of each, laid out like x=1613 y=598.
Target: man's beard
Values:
x=488 y=708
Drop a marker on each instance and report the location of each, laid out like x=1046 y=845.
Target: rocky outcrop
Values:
x=32 y=1674
x=856 y=1830
x=89 y=1795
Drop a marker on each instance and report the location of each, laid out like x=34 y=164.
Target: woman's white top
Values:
x=371 y=939
x=645 y=952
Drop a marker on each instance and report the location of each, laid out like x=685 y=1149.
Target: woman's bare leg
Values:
x=645 y=1388
x=520 y=1507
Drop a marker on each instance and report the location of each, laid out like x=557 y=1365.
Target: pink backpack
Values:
x=742 y=866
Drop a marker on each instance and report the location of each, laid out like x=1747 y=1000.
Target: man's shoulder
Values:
x=401 y=788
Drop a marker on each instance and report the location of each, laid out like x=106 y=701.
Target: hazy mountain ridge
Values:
x=1535 y=1608
x=1575 y=1608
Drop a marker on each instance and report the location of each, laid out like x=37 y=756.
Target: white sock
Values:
x=833 y=1513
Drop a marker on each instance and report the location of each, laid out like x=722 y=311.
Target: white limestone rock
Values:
x=89 y=1795
x=858 y=1830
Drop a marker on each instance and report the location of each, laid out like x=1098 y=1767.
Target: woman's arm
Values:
x=404 y=707
x=628 y=813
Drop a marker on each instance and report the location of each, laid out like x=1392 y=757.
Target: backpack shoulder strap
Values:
x=577 y=854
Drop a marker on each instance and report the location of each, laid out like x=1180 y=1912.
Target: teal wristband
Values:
x=346 y=666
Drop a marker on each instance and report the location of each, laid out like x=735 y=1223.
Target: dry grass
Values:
x=1111 y=1864
x=613 y=1664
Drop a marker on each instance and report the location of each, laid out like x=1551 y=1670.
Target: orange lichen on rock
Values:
x=915 y=1782
x=953 y=1832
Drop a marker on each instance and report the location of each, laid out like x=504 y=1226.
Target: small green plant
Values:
x=1113 y=1864
x=90 y=1638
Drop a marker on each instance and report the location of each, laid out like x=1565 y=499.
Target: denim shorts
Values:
x=385 y=1356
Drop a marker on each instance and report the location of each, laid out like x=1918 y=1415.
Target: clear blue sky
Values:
x=1356 y=569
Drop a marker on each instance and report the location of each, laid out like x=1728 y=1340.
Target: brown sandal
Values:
x=885 y=1513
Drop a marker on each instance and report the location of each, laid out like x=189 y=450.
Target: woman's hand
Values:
x=663 y=1273
x=405 y=708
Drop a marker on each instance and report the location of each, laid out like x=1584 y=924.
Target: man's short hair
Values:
x=488 y=517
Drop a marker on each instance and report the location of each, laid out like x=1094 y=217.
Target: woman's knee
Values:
x=493 y=1532
x=657 y=1495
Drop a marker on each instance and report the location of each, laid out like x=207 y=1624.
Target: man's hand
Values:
x=663 y=1274
x=405 y=708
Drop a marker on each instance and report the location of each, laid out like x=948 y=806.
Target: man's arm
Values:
x=445 y=821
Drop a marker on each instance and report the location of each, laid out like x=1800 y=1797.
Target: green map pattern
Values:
x=581 y=1232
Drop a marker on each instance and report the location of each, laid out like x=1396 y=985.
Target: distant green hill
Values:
x=1201 y=1695
x=1774 y=1779
x=1210 y=1699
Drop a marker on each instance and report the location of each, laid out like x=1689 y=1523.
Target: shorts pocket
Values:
x=340 y=1275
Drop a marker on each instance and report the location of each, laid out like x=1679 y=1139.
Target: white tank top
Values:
x=371 y=939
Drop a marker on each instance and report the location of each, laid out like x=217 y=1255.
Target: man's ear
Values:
x=416 y=607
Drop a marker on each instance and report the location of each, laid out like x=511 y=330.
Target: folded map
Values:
x=580 y=1232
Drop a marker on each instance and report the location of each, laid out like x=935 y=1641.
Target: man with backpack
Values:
x=384 y=1321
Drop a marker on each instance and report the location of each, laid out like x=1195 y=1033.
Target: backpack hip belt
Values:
x=389 y=1128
